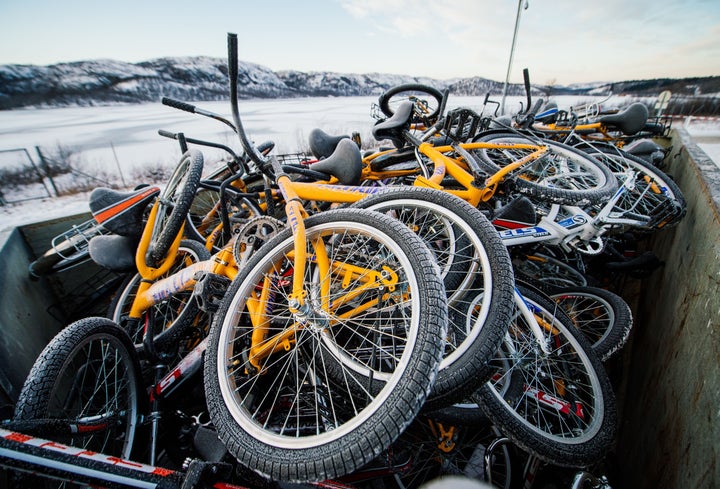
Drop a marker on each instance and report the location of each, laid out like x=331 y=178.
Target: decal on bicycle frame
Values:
x=535 y=231
x=573 y=222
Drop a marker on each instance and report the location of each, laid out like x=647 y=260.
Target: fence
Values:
x=21 y=179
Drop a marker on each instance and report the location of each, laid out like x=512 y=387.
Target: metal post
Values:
x=512 y=53
x=46 y=169
x=117 y=162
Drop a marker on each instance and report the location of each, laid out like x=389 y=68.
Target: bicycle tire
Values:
x=173 y=316
x=326 y=430
x=65 y=380
x=560 y=407
x=174 y=204
x=564 y=175
x=394 y=96
x=602 y=316
x=654 y=200
x=473 y=261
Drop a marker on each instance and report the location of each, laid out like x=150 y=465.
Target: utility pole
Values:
x=520 y=8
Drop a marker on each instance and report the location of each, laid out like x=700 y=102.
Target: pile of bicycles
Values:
x=345 y=319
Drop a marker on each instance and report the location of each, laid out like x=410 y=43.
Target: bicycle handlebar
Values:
x=249 y=148
x=176 y=136
x=186 y=107
x=177 y=104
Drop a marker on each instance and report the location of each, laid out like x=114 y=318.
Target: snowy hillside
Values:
x=102 y=82
x=105 y=82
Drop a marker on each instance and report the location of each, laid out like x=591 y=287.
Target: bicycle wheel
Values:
x=88 y=375
x=602 y=316
x=477 y=274
x=174 y=203
x=327 y=388
x=172 y=317
x=559 y=406
x=564 y=175
x=427 y=100
x=652 y=201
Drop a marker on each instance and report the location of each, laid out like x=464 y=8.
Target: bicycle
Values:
x=111 y=213
x=565 y=416
x=604 y=416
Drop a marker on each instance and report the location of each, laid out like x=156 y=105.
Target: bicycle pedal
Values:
x=209 y=290
x=462 y=124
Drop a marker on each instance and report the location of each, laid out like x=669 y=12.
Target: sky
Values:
x=559 y=41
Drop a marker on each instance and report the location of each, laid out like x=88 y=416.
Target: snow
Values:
x=706 y=134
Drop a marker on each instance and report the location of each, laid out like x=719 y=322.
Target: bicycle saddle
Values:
x=121 y=212
x=648 y=150
x=393 y=127
x=345 y=163
x=629 y=120
x=116 y=253
x=323 y=144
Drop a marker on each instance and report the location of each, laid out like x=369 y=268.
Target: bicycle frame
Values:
x=471 y=193
x=153 y=289
x=575 y=231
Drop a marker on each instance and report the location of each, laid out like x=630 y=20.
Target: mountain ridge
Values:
x=202 y=78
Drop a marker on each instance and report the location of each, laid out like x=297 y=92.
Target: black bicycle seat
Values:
x=345 y=163
x=393 y=127
x=323 y=144
x=629 y=120
x=116 y=253
x=121 y=212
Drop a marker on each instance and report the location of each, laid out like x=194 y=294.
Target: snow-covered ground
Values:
x=121 y=139
x=706 y=134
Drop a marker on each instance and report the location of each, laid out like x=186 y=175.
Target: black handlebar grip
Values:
x=232 y=56
x=167 y=134
x=176 y=104
x=526 y=78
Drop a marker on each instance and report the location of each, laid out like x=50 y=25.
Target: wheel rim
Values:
x=274 y=409
x=95 y=381
x=591 y=314
x=557 y=396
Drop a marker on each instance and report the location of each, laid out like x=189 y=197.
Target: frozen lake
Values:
x=132 y=132
x=126 y=136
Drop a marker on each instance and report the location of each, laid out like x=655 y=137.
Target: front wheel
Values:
x=476 y=270
x=307 y=392
x=559 y=404
x=174 y=205
x=89 y=376
x=651 y=199
x=602 y=316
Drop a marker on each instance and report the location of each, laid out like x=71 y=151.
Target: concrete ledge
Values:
x=669 y=436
